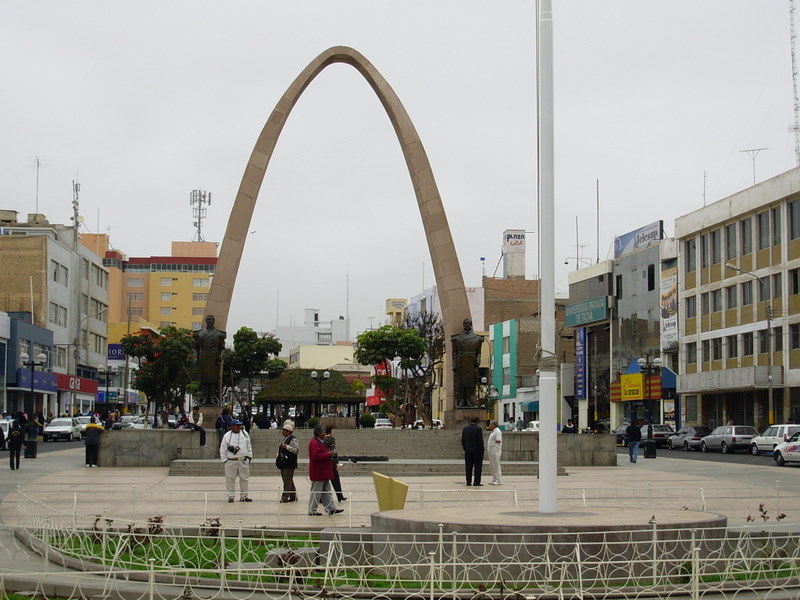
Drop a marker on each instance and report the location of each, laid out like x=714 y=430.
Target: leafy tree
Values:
x=391 y=343
x=418 y=373
x=250 y=356
x=166 y=364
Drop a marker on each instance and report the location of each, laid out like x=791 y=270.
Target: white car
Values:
x=532 y=426
x=62 y=429
x=83 y=421
x=383 y=424
x=435 y=424
x=772 y=436
x=6 y=425
x=788 y=451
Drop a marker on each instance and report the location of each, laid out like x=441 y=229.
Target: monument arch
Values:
x=446 y=268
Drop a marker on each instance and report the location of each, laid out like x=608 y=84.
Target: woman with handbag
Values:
x=286 y=461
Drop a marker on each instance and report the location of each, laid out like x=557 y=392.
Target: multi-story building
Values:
x=739 y=301
x=63 y=285
x=312 y=332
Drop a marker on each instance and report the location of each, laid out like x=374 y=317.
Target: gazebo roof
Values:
x=295 y=386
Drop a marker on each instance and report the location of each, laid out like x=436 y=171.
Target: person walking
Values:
x=634 y=435
x=92 y=435
x=14 y=442
x=286 y=461
x=320 y=472
x=495 y=449
x=472 y=443
x=236 y=452
x=330 y=444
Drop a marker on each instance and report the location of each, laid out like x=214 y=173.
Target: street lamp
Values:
x=315 y=376
x=766 y=292
x=650 y=367
x=27 y=361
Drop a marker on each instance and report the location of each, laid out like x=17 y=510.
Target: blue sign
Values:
x=580 y=363
x=638 y=238
x=115 y=352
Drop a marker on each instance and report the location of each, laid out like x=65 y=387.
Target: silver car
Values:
x=64 y=428
x=729 y=438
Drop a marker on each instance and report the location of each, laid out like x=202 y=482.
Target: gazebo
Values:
x=299 y=395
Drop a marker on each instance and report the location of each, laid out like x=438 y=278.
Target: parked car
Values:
x=661 y=433
x=383 y=424
x=532 y=426
x=788 y=451
x=62 y=429
x=771 y=437
x=124 y=422
x=83 y=421
x=729 y=438
x=622 y=434
x=144 y=422
x=688 y=438
x=172 y=421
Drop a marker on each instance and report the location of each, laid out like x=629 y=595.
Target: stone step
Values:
x=392 y=468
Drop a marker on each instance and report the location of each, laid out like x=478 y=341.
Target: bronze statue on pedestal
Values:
x=466 y=360
x=209 y=344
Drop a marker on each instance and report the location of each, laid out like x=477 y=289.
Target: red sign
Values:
x=73 y=383
x=373 y=401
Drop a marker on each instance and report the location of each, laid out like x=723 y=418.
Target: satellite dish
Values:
x=79 y=219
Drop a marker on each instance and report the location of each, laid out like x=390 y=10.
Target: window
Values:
x=747 y=235
x=794 y=281
x=747 y=344
x=716 y=349
x=199 y=297
x=716 y=243
x=166 y=296
x=619 y=287
x=762 y=223
x=691 y=353
x=165 y=310
x=166 y=281
x=200 y=282
x=61 y=357
x=99 y=310
x=135 y=282
x=704 y=250
x=794 y=336
x=704 y=303
x=763 y=342
x=197 y=325
x=136 y=311
x=60 y=273
x=164 y=324
x=794 y=219
x=731 y=297
x=716 y=300
x=136 y=297
x=197 y=311
x=763 y=289
x=747 y=293
x=324 y=338
x=731 y=251
x=733 y=346
x=84 y=304
x=98 y=344
x=506 y=376
x=777 y=337
x=691 y=307
x=85 y=269
x=777 y=286
x=651 y=278
x=706 y=351
x=99 y=276
x=690 y=250
x=776 y=226
x=58 y=315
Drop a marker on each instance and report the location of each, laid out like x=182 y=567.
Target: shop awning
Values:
x=530 y=406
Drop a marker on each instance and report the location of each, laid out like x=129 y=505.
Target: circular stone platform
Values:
x=468 y=519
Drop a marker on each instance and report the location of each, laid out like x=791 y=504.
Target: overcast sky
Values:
x=145 y=101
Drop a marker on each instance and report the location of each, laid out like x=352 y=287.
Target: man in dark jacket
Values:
x=15 y=437
x=472 y=443
x=320 y=472
x=92 y=435
x=634 y=435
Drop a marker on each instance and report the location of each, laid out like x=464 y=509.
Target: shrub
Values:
x=312 y=422
x=366 y=420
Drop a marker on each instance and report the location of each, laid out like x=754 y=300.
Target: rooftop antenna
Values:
x=199 y=199
x=37 y=163
x=597 y=224
x=753 y=152
x=796 y=128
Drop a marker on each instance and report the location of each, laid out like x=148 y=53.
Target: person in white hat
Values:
x=286 y=461
x=236 y=452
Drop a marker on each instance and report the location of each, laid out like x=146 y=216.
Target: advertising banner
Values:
x=632 y=386
x=587 y=311
x=669 y=303
x=513 y=241
x=580 y=363
x=638 y=239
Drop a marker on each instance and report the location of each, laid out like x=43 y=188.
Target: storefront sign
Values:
x=580 y=363
x=632 y=386
x=587 y=311
x=76 y=384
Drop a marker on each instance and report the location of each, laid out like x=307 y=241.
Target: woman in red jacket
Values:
x=320 y=472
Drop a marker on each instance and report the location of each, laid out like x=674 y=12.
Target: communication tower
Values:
x=199 y=200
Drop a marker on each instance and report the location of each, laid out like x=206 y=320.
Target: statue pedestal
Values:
x=460 y=417
x=210 y=414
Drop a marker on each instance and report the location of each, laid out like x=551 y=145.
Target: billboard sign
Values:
x=580 y=363
x=587 y=311
x=513 y=241
x=669 y=304
x=638 y=239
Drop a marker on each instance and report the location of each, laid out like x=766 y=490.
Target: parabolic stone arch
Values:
x=446 y=268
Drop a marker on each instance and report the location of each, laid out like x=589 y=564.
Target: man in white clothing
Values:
x=236 y=452
x=495 y=448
